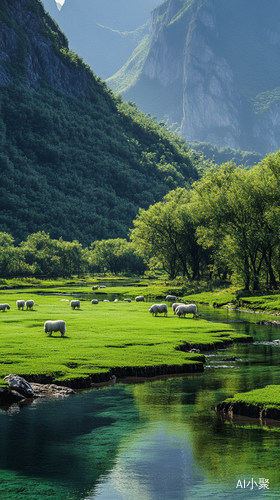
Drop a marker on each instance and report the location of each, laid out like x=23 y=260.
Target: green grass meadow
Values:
x=99 y=337
x=267 y=303
x=267 y=397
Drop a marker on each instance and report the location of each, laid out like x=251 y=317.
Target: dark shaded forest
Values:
x=81 y=168
x=77 y=165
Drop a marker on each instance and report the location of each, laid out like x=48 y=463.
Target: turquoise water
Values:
x=156 y=440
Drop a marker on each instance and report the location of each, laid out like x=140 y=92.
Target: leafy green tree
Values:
x=7 y=252
x=12 y=261
x=116 y=256
x=38 y=251
x=168 y=231
x=71 y=257
x=53 y=257
x=236 y=211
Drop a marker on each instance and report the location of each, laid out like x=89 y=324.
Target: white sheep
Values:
x=4 y=306
x=29 y=304
x=94 y=287
x=75 y=303
x=55 y=326
x=20 y=304
x=170 y=298
x=184 y=309
x=116 y=300
x=140 y=298
x=175 y=305
x=94 y=301
x=103 y=286
x=127 y=300
x=156 y=309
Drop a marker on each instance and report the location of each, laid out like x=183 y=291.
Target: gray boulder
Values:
x=19 y=384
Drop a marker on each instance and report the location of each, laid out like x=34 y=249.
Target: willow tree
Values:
x=116 y=255
x=237 y=211
x=167 y=231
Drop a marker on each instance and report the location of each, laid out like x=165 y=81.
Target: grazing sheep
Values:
x=175 y=305
x=94 y=287
x=55 y=326
x=184 y=309
x=140 y=298
x=20 y=304
x=156 y=309
x=29 y=304
x=103 y=286
x=75 y=303
x=116 y=300
x=127 y=300
x=94 y=301
x=4 y=306
x=170 y=298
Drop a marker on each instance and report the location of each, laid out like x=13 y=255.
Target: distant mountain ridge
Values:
x=212 y=67
x=103 y=32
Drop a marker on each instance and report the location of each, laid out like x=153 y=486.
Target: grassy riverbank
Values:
x=262 y=403
x=234 y=297
x=216 y=293
x=108 y=338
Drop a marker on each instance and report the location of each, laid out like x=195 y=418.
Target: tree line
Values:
x=227 y=226
x=42 y=256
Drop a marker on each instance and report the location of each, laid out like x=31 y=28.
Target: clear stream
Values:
x=155 y=440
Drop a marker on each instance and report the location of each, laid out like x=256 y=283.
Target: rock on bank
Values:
x=19 y=389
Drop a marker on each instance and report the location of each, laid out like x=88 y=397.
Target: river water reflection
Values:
x=156 y=440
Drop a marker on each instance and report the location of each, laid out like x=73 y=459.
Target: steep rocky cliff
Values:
x=213 y=67
x=30 y=43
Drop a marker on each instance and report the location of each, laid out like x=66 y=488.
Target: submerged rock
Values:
x=47 y=390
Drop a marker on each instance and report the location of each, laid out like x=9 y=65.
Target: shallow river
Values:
x=156 y=440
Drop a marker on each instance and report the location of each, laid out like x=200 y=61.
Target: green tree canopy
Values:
x=167 y=231
x=236 y=211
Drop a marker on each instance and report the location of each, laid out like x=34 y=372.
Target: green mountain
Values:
x=76 y=161
x=212 y=67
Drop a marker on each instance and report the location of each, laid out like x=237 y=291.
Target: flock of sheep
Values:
x=177 y=307
x=49 y=326
x=20 y=305
x=60 y=325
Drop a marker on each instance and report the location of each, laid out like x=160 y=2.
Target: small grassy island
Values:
x=109 y=338
x=260 y=403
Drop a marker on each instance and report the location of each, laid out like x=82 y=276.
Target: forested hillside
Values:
x=212 y=67
x=76 y=161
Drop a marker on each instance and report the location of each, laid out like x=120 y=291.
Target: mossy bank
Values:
x=259 y=403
